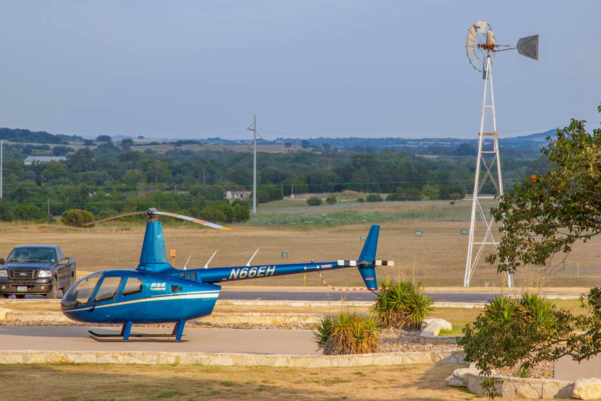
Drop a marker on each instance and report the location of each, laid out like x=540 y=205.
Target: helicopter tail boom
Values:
x=366 y=265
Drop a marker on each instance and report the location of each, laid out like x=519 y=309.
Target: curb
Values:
x=183 y=358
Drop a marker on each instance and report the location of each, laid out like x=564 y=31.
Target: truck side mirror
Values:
x=65 y=261
x=1 y=261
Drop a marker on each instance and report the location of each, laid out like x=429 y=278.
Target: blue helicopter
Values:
x=156 y=292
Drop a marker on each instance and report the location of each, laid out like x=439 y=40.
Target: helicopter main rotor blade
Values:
x=112 y=217
x=192 y=220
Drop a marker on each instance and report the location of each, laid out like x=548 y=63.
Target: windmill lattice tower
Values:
x=482 y=48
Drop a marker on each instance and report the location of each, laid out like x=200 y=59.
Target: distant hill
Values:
x=25 y=135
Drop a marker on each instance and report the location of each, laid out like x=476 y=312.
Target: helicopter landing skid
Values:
x=136 y=338
x=125 y=335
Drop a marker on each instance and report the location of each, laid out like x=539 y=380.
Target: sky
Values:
x=198 y=69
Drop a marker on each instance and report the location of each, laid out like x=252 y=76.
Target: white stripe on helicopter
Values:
x=163 y=298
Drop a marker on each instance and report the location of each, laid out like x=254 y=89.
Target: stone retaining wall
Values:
x=168 y=358
x=514 y=387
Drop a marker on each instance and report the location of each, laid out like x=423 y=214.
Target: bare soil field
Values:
x=135 y=382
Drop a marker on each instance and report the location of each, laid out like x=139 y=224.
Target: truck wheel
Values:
x=53 y=294
x=5 y=295
x=20 y=296
x=73 y=280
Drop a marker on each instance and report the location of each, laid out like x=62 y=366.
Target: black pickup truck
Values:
x=36 y=269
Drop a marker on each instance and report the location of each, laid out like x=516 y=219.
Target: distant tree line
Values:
x=112 y=178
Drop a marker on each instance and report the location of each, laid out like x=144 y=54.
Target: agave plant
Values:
x=348 y=333
x=404 y=304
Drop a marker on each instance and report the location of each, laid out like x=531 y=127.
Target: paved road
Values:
x=75 y=338
x=336 y=296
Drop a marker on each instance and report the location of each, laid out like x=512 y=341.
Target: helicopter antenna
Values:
x=207 y=265
x=187 y=262
x=252 y=257
x=482 y=48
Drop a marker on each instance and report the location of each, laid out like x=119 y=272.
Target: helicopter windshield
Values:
x=81 y=292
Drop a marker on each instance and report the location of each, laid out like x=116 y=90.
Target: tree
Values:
x=547 y=213
x=330 y=200
x=305 y=144
x=127 y=143
x=103 y=138
x=288 y=145
x=88 y=142
x=61 y=150
x=543 y=215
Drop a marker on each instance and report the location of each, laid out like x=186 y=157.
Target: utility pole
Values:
x=156 y=178
x=1 y=170
x=255 y=167
x=48 y=206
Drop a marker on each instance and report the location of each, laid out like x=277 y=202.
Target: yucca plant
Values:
x=403 y=305
x=348 y=333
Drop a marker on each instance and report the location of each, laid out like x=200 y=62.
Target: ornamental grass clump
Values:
x=348 y=333
x=403 y=305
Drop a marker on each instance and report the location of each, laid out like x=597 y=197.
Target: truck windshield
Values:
x=24 y=255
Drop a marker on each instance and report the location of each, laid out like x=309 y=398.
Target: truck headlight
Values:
x=45 y=273
x=3 y=273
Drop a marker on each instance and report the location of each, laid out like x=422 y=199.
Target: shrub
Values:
x=314 y=201
x=262 y=196
x=27 y=212
x=373 y=198
x=360 y=200
x=348 y=333
x=76 y=217
x=509 y=330
x=403 y=305
x=331 y=199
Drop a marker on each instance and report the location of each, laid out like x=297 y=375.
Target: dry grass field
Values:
x=162 y=148
x=179 y=383
x=437 y=258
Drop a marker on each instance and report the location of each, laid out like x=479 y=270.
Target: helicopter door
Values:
x=106 y=294
x=128 y=303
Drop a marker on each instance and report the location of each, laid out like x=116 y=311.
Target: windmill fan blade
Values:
x=481 y=26
x=528 y=46
x=192 y=220
x=471 y=37
x=112 y=218
x=470 y=44
x=472 y=31
x=469 y=51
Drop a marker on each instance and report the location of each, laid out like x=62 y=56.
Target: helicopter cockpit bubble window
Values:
x=133 y=285
x=82 y=291
x=108 y=289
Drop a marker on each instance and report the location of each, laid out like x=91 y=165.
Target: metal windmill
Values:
x=481 y=50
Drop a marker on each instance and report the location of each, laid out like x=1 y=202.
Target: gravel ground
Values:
x=543 y=370
x=399 y=340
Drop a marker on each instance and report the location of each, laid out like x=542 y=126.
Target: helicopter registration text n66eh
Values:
x=156 y=292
